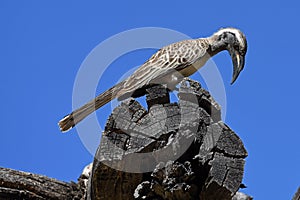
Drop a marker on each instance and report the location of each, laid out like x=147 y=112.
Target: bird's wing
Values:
x=169 y=59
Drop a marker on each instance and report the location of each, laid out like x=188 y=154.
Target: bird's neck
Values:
x=214 y=46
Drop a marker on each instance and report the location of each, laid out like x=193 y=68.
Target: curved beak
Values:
x=238 y=62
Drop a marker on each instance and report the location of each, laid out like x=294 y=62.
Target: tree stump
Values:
x=179 y=150
x=173 y=151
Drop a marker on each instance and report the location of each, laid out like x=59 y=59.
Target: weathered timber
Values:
x=22 y=185
x=178 y=150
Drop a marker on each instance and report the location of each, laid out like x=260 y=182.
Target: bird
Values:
x=168 y=66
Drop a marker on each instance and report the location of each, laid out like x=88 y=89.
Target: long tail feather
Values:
x=78 y=115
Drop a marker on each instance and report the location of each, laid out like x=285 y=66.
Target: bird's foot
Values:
x=187 y=79
x=191 y=83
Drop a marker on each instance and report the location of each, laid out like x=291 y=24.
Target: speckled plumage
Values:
x=164 y=65
x=168 y=66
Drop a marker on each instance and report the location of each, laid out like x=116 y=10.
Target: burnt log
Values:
x=23 y=185
x=179 y=150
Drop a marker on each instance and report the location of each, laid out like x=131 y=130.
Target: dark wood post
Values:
x=180 y=150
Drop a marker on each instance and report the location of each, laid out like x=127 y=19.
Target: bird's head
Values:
x=235 y=42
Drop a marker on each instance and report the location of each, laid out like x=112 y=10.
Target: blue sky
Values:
x=43 y=43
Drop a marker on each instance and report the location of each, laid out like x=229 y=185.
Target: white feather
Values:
x=236 y=32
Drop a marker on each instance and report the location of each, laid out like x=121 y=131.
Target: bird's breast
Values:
x=192 y=68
